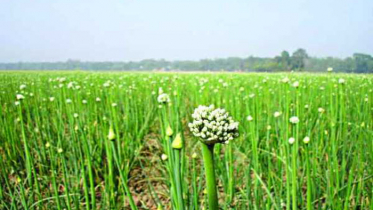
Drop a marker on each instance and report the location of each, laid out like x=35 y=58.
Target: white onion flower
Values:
x=163 y=98
x=20 y=97
x=296 y=84
x=213 y=125
x=330 y=69
x=291 y=140
x=341 y=81
x=294 y=119
x=277 y=114
x=70 y=85
x=164 y=157
x=21 y=87
x=249 y=118
x=321 y=110
x=306 y=140
x=285 y=80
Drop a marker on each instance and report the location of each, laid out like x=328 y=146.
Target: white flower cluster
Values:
x=163 y=98
x=22 y=87
x=294 y=119
x=20 y=97
x=213 y=125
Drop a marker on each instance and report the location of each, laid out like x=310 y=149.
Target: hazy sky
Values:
x=123 y=30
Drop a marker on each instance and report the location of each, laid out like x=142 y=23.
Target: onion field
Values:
x=185 y=141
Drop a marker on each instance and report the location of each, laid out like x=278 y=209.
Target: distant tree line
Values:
x=297 y=61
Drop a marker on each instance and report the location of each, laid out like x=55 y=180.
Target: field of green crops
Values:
x=83 y=140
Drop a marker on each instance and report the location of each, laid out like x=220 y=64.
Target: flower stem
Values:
x=178 y=180
x=208 y=158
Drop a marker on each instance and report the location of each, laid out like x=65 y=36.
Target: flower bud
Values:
x=169 y=131
x=177 y=143
x=111 y=135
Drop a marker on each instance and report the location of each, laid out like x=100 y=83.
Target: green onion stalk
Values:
x=212 y=126
x=123 y=177
x=177 y=145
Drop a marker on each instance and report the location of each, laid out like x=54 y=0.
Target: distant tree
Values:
x=298 y=59
x=283 y=61
x=72 y=64
x=359 y=63
x=363 y=63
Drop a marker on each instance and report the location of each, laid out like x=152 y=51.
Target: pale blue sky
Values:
x=123 y=30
